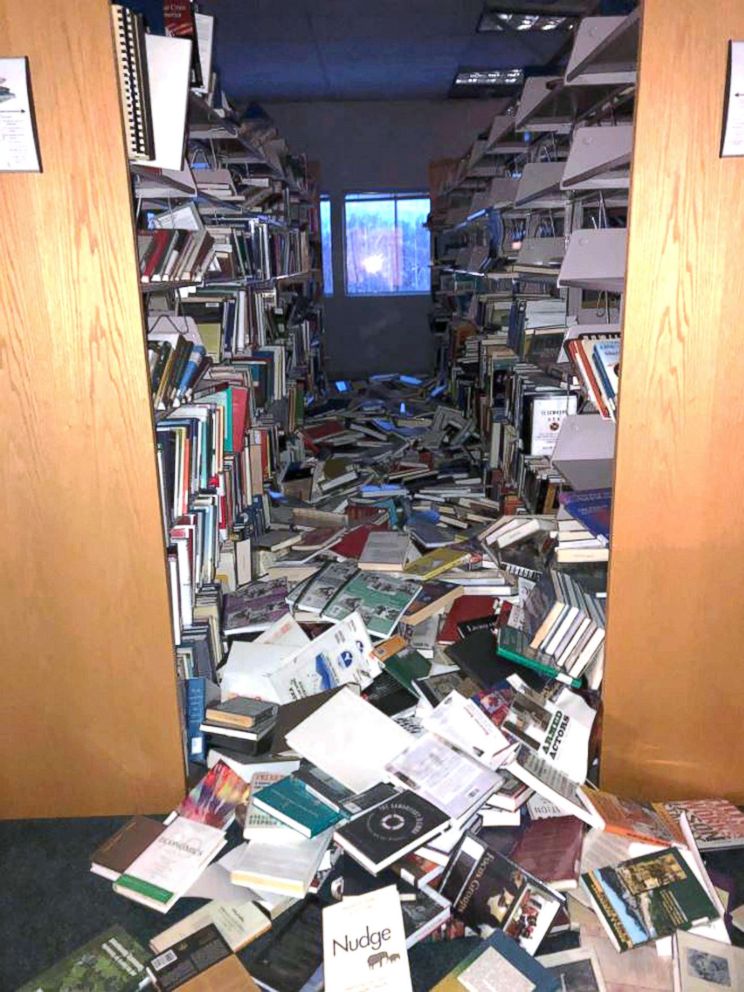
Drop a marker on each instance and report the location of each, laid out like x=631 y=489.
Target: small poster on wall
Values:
x=733 y=117
x=19 y=151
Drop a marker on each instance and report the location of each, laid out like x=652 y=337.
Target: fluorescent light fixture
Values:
x=493 y=20
x=489 y=77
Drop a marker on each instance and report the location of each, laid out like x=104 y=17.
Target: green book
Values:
x=407 y=665
x=292 y=803
x=647 y=898
x=515 y=646
x=111 y=962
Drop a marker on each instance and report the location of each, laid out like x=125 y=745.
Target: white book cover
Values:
x=385 y=548
x=168 y=73
x=548 y=413
x=553 y=732
x=705 y=965
x=339 y=656
x=464 y=724
x=450 y=780
x=349 y=739
x=239 y=924
x=364 y=944
x=286 y=867
x=171 y=863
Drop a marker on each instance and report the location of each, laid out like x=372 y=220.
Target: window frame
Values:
x=385 y=195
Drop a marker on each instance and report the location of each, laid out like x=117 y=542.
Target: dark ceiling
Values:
x=271 y=50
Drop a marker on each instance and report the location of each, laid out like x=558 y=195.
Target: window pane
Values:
x=387 y=249
x=414 y=245
x=370 y=246
x=326 y=245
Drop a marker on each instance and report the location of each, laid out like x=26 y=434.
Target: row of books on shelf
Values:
x=257 y=251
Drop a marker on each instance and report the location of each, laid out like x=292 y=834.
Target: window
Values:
x=387 y=246
x=326 y=245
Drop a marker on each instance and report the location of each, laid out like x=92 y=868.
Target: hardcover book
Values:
x=551 y=851
x=648 y=898
x=111 y=962
x=716 y=824
x=241 y=713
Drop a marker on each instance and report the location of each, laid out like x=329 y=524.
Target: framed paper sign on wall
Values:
x=732 y=143
x=19 y=150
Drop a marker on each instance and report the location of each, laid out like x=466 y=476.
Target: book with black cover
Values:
x=285 y=959
x=488 y=891
x=378 y=838
x=201 y=955
x=241 y=713
x=477 y=655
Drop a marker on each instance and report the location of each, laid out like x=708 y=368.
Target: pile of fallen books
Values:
x=401 y=744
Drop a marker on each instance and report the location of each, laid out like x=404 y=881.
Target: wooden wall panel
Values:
x=674 y=689
x=88 y=709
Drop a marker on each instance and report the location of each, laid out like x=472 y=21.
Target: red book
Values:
x=352 y=544
x=315 y=435
x=240 y=416
x=464 y=608
x=551 y=850
x=356 y=513
x=160 y=241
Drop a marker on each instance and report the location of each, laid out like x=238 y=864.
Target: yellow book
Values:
x=434 y=563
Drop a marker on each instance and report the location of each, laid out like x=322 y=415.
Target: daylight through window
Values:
x=387 y=246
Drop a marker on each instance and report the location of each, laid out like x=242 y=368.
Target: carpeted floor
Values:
x=50 y=903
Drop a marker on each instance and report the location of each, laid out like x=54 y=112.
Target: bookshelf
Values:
x=101 y=550
x=89 y=709
x=676 y=625
x=672 y=686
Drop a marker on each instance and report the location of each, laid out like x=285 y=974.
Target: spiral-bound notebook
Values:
x=131 y=60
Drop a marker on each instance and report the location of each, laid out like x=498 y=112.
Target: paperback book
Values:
x=111 y=962
x=489 y=891
x=648 y=898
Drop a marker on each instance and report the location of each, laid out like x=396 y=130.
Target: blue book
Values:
x=497 y=959
x=591 y=507
x=291 y=802
x=197 y=354
x=196 y=703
